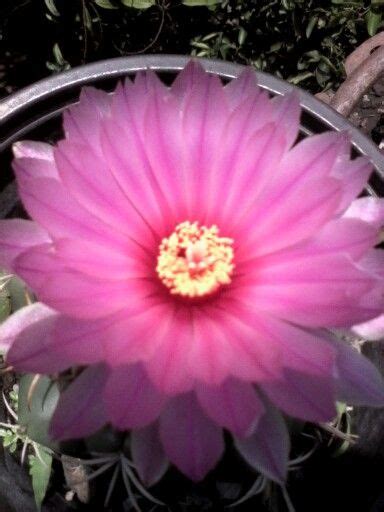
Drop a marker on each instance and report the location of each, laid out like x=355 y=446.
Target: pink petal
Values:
x=264 y=230
x=192 y=75
x=103 y=260
x=242 y=87
x=287 y=111
x=148 y=455
x=315 y=290
x=350 y=236
x=137 y=336
x=237 y=329
x=372 y=330
x=82 y=121
x=247 y=167
x=354 y=174
x=234 y=405
x=192 y=442
x=58 y=285
x=89 y=179
x=126 y=153
x=306 y=388
x=368 y=209
x=49 y=204
x=130 y=398
x=80 y=410
x=17 y=235
x=204 y=114
x=167 y=368
x=267 y=450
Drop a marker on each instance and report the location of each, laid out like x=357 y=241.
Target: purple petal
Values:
x=359 y=382
x=131 y=400
x=148 y=454
x=192 y=442
x=80 y=410
x=305 y=396
x=32 y=348
x=17 y=235
x=20 y=320
x=267 y=450
x=43 y=341
x=234 y=405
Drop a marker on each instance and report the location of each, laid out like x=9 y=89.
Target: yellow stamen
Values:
x=194 y=261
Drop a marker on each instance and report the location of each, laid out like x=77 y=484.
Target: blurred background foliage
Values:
x=304 y=41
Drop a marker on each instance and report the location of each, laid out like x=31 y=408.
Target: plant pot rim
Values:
x=19 y=102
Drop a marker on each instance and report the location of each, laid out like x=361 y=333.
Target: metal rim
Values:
x=21 y=101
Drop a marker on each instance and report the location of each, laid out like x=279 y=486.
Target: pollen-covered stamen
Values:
x=194 y=261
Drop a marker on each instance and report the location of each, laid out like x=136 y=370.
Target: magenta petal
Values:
x=148 y=454
x=80 y=410
x=372 y=330
x=17 y=235
x=267 y=450
x=131 y=400
x=368 y=209
x=358 y=382
x=234 y=405
x=192 y=442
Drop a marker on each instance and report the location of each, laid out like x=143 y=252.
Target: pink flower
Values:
x=186 y=251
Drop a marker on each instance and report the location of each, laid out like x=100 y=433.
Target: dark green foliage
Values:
x=304 y=41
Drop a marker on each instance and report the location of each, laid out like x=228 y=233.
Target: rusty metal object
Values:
x=358 y=83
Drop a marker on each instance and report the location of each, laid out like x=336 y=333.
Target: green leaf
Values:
x=242 y=36
x=300 y=77
x=105 y=4
x=18 y=293
x=195 y=3
x=138 y=4
x=40 y=470
x=36 y=415
x=373 y=21
x=311 y=25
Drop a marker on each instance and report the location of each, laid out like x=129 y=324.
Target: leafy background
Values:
x=304 y=41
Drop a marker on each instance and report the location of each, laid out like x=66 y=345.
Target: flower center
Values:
x=194 y=261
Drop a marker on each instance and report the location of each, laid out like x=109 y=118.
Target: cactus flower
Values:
x=192 y=256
